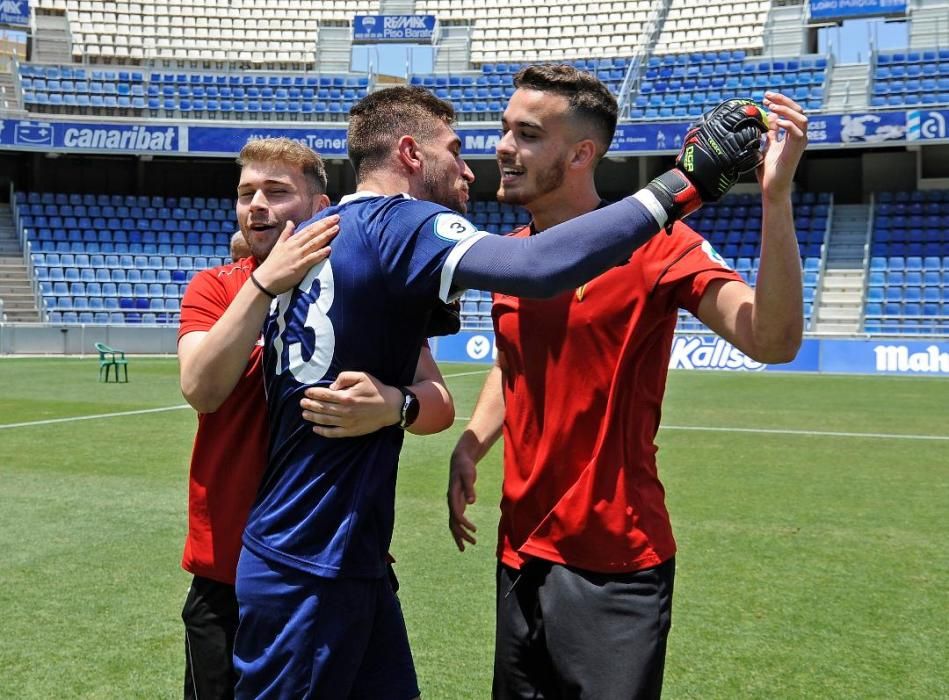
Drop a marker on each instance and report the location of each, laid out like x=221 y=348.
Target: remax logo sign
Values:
x=417 y=29
x=14 y=12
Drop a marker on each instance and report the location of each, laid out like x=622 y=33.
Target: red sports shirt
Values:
x=584 y=377
x=230 y=447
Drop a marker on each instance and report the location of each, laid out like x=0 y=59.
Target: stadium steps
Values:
x=928 y=26
x=51 y=40
x=841 y=287
x=453 y=52
x=396 y=7
x=16 y=291
x=785 y=31
x=8 y=96
x=334 y=49
x=849 y=87
x=19 y=302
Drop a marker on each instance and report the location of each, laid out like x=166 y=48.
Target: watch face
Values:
x=410 y=408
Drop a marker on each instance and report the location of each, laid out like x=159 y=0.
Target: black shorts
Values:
x=210 y=617
x=567 y=633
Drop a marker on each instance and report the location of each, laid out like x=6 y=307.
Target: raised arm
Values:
x=767 y=323
x=716 y=150
x=482 y=431
x=211 y=362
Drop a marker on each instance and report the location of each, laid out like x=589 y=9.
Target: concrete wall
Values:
x=42 y=339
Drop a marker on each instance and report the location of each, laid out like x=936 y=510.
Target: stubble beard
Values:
x=437 y=192
x=548 y=181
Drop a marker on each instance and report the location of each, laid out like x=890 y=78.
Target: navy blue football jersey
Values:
x=327 y=505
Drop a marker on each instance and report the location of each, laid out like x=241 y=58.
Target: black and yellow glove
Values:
x=724 y=143
x=721 y=145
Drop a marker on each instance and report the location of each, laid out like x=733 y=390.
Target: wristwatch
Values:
x=410 y=407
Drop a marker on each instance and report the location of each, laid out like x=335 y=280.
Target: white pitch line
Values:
x=465 y=374
x=780 y=431
x=817 y=433
x=699 y=428
x=92 y=417
x=147 y=410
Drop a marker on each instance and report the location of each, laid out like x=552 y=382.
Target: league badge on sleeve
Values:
x=713 y=254
x=453 y=227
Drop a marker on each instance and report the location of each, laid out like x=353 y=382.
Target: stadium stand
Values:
x=284 y=31
x=909 y=78
x=119 y=259
x=671 y=86
x=907 y=288
x=482 y=97
x=733 y=227
x=198 y=95
x=520 y=30
x=127 y=259
x=691 y=26
x=686 y=85
x=611 y=39
x=103 y=257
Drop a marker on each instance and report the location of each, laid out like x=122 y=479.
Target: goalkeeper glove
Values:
x=718 y=148
x=445 y=319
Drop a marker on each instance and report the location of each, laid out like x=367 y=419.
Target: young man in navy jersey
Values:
x=318 y=617
x=221 y=377
x=585 y=547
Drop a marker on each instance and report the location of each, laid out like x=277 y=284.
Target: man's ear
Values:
x=409 y=154
x=321 y=201
x=583 y=154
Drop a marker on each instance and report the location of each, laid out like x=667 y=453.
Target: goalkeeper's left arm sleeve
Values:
x=564 y=256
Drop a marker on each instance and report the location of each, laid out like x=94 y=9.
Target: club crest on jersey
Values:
x=453 y=227
x=713 y=254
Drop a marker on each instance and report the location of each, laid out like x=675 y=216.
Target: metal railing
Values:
x=871 y=216
x=642 y=52
x=27 y=247
x=822 y=268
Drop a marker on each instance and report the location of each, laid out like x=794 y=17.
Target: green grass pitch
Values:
x=809 y=566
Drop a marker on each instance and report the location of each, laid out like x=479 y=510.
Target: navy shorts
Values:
x=305 y=636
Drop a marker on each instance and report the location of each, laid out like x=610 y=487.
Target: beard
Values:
x=438 y=189
x=547 y=181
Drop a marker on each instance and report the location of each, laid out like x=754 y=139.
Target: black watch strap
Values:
x=410 y=408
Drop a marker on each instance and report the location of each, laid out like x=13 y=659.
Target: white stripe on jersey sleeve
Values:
x=445 y=292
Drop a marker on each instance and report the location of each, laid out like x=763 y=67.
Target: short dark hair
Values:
x=588 y=98
x=380 y=119
x=280 y=149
